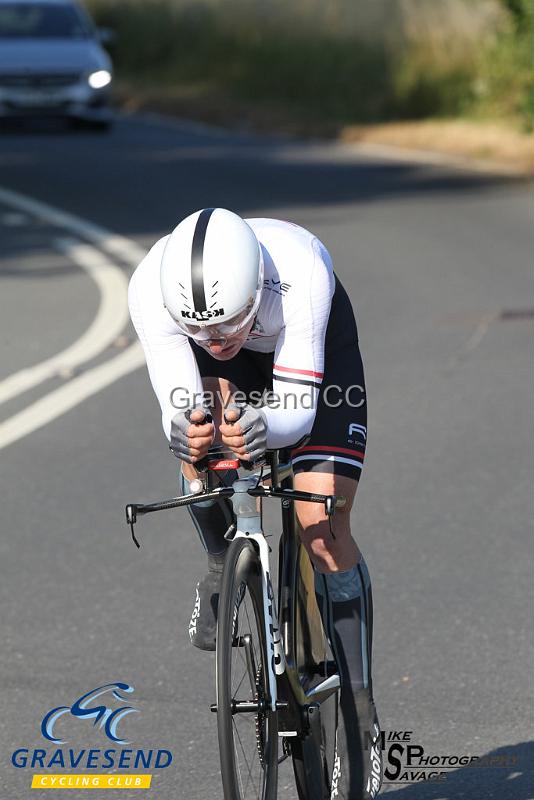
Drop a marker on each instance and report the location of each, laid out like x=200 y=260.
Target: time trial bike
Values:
x=277 y=683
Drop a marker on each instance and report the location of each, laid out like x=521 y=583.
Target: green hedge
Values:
x=506 y=68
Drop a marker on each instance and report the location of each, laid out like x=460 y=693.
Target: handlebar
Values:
x=134 y=510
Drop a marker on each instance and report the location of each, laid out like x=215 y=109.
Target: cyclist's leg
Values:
x=212 y=519
x=344 y=595
x=331 y=463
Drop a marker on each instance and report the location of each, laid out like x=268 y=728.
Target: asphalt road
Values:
x=431 y=257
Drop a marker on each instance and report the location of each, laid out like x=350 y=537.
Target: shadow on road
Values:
x=513 y=782
x=43 y=126
x=142 y=178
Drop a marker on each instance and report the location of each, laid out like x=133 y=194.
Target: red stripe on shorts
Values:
x=324 y=449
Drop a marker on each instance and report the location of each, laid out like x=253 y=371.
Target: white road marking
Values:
x=61 y=400
x=66 y=397
x=113 y=244
x=111 y=318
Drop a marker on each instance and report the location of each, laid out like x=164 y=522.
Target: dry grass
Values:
x=499 y=142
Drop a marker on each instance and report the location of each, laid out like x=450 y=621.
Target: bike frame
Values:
x=287 y=693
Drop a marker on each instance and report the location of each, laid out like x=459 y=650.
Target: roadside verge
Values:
x=480 y=144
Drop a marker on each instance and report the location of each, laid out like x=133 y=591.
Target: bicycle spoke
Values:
x=245 y=674
x=244 y=657
x=249 y=765
x=250 y=778
x=245 y=738
x=237 y=688
x=239 y=656
x=260 y=781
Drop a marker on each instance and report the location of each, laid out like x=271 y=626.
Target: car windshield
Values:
x=41 y=21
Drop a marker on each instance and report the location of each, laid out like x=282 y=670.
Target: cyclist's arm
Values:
x=299 y=355
x=171 y=364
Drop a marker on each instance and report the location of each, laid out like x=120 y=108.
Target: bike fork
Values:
x=248 y=523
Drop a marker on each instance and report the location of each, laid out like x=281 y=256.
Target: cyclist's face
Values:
x=225 y=348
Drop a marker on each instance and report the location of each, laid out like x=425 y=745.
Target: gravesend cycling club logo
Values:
x=107 y=718
x=106 y=710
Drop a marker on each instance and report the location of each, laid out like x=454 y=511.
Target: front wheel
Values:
x=247 y=727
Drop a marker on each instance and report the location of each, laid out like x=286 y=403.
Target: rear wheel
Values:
x=247 y=727
x=315 y=759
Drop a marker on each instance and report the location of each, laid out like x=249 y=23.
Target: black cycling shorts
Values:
x=339 y=434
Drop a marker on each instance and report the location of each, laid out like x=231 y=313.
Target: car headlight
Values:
x=99 y=79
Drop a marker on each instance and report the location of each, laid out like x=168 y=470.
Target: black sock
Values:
x=346 y=604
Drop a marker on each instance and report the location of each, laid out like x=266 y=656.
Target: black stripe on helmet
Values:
x=197 y=252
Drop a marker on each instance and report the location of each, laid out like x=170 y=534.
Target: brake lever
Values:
x=131 y=519
x=330 y=510
x=330 y=505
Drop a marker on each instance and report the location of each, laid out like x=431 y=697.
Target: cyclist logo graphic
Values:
x=107 y=716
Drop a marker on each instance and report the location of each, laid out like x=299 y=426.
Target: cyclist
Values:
x=227 y=309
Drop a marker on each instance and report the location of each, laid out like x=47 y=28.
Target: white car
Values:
x=52 y=62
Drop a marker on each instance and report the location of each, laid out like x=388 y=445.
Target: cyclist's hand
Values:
x=192 y=434
x=244 y=431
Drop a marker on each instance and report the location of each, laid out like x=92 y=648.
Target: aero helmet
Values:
x=212 y=274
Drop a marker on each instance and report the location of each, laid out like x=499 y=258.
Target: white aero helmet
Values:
x=212 y=274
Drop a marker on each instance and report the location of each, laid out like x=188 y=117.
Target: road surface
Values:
x=438 y=262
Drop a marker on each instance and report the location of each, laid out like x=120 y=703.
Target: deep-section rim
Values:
x=242 y=566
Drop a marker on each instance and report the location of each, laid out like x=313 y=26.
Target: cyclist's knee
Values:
x=329 y=553
x=329 y=544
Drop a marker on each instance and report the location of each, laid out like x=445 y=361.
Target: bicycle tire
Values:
x=241 y=600
x=315 y=763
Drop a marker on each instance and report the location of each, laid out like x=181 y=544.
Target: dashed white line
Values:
x=111 y=318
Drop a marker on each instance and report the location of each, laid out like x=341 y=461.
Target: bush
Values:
x=506 y=69
x=259 y=54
